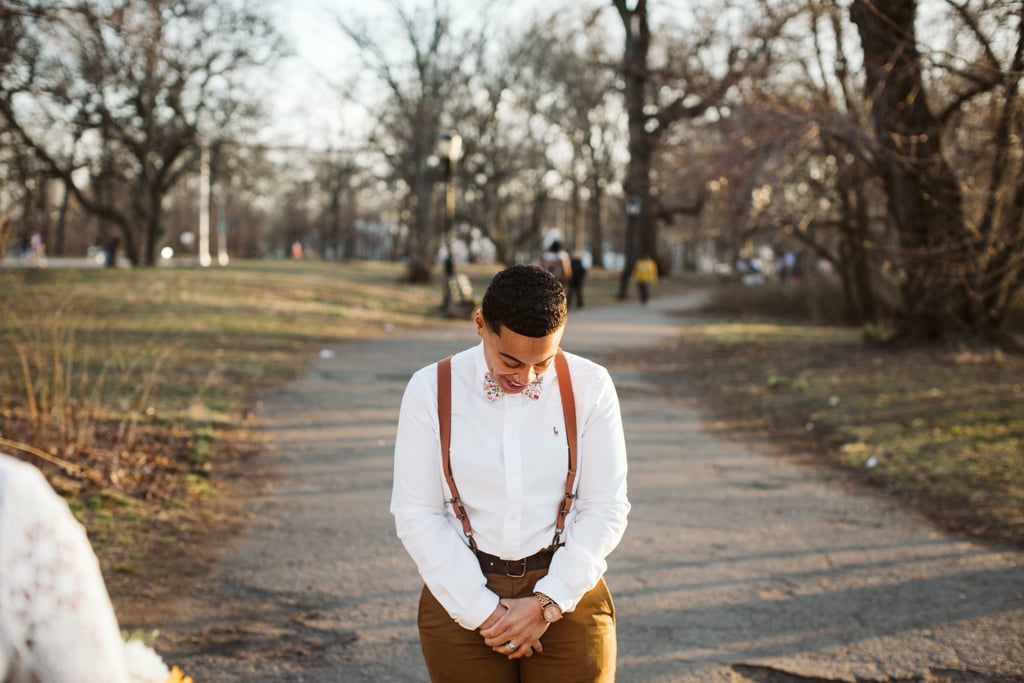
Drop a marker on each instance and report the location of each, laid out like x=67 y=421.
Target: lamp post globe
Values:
x=633 y=206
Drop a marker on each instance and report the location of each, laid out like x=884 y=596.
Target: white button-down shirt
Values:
x=509 y=459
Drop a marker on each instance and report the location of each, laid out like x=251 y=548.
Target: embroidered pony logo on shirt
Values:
x=493 y=390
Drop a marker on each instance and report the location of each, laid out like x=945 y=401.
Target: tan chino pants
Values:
x=580 y=648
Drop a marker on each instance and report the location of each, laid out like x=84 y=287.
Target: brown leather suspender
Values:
x=569 y=415
x=444 y=414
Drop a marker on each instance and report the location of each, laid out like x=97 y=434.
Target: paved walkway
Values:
x=736 y=566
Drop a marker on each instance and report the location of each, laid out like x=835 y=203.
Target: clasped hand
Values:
x=518 y=621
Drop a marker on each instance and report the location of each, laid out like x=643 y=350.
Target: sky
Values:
x=305 y=93
x=303 y=98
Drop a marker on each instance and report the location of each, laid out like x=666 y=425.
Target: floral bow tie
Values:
x=493 y=390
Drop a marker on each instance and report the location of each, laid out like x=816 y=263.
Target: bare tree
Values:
x=579 y=74
x=490 y=164
x=700 y=69
x=799 y=162
x=959 y=276
x=420 y=87
x=501 y=176
x=128 y=92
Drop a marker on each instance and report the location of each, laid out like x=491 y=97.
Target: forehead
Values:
x=530 y=350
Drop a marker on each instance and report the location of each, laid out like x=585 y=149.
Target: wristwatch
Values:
x=549 y=608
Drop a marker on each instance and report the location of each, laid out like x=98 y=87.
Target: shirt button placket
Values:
x=513 y=455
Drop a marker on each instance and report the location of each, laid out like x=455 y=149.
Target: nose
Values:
x=526 y=376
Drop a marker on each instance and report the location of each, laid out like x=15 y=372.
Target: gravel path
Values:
x=737 y=566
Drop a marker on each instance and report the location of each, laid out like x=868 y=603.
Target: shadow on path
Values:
x=736 y=567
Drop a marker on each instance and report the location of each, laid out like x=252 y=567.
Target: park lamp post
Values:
x=203 y=250
x=449 y=149
x=634 y=205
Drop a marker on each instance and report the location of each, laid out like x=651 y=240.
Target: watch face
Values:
x=552 y=613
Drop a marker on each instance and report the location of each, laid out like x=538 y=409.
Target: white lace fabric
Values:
x=57 y=624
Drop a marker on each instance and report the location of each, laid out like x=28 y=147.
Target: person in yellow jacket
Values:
x=645 y=272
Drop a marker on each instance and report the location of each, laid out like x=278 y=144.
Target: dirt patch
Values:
x=160 y=552
x=289 y=629
x=161 y=505
x=866 y=415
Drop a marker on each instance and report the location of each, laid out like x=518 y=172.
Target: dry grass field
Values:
x=135 y=391
x=939 y=428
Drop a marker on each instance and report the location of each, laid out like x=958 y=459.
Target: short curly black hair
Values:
x=526 y=299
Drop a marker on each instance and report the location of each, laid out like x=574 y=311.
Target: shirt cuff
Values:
x=477 y=613
x=557 y=591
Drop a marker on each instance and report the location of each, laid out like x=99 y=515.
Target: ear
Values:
x=478 y=319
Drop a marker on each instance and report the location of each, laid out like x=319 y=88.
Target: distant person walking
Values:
x=645 y=273
x=792 y=263
x=556 y=261
x=24 y=247
x=37 y=253
x=576 y=278
x=111 y=251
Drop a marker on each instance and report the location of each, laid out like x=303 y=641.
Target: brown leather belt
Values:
x=491 y=564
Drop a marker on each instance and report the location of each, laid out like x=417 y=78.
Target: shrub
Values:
x=817 y=301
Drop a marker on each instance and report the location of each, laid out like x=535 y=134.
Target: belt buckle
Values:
x=508 y=568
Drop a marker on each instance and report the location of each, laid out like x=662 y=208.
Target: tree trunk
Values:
x=640 y=235
x=925 y=202
x=151 y=237
x=596 y=223
x=43 y=209
x=578 y=222
x=351 y=236
x=855 y=234
x=540 y=203
x=421 y=233
x=129 y=244
x=1000 y=244
x=62 y=221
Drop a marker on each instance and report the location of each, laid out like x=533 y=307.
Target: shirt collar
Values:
x=493 y=390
